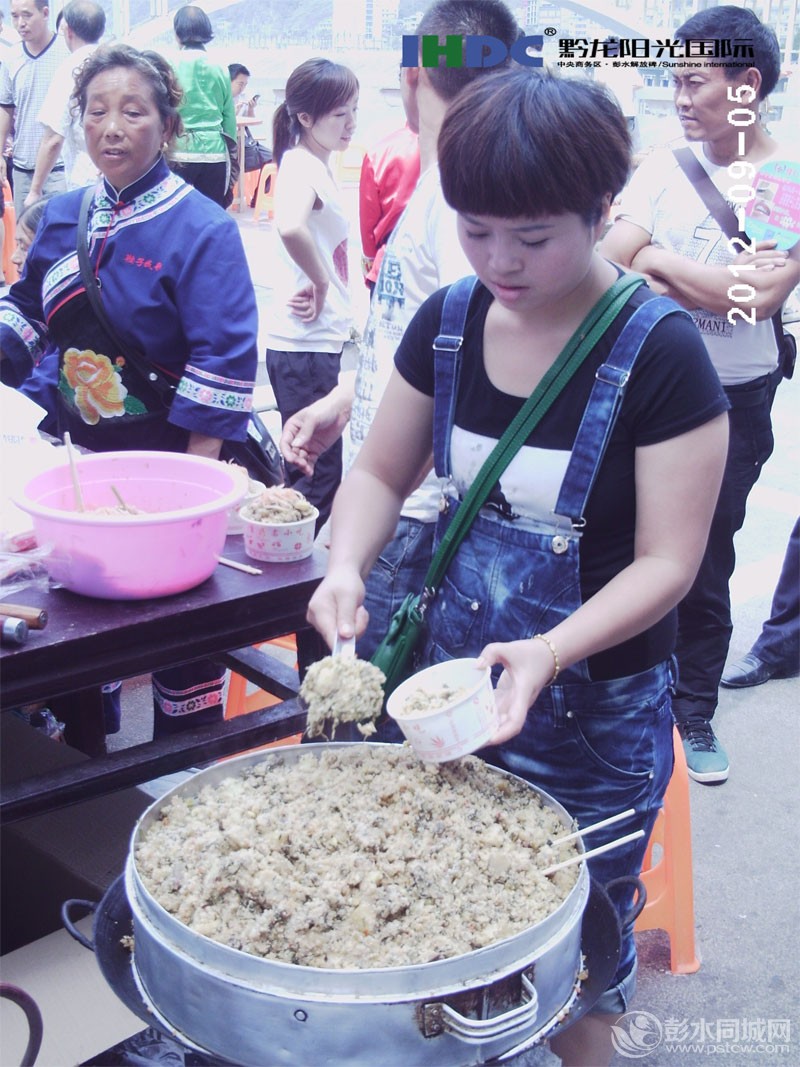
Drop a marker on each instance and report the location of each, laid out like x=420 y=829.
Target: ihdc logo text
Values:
x=468 y=51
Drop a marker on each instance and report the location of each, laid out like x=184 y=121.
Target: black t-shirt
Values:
x=673 y=389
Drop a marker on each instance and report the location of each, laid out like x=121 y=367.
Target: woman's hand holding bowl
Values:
x=527 y=669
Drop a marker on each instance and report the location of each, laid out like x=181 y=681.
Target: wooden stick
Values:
x=239 y=566
x=594 y=826
x=122 y=504
x=594 y=852
x=73 y=470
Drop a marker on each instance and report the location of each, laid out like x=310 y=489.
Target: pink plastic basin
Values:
x=170 y=548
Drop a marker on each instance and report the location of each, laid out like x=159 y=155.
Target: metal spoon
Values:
x=344 y=647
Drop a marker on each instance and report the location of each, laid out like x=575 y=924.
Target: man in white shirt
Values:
x=422 y=255
x=25 y=76
x=664 y=229
x=83 y=23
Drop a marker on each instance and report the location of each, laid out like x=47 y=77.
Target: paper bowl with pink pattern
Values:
x=445 y=711
x=278 y=542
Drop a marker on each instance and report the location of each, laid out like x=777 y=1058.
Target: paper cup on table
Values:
x=278 y=542
x=452 y=729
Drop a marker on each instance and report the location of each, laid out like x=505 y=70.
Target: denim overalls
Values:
x=597 y=747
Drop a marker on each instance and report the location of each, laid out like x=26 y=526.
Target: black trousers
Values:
x=704 y=615
x=298 y=379
x=210 y=179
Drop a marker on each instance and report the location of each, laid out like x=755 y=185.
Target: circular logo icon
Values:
x=636 y=1034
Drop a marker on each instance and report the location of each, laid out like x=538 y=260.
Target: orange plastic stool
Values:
x=240 y=702
x=251 y=178
x=668 y=880
x=9 y=236
x=265 y=198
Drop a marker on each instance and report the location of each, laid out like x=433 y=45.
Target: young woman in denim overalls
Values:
x=567 y=580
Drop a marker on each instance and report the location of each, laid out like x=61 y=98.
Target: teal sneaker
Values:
x=706 y=759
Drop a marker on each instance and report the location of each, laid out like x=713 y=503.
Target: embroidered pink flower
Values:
x=99 y=392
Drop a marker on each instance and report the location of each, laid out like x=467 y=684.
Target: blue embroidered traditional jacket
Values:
x=176 y=285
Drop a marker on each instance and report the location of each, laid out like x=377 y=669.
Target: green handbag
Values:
x=394 y=655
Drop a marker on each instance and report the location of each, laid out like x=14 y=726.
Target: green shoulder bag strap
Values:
x=530 y=414
x=394 y=652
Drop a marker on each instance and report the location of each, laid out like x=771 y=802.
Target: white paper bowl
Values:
x=279 y=542
x=460 y=727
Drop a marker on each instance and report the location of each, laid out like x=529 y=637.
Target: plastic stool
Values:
x=240 y=702
x=9 y=237
x=265 y=198
x=670 y=890
x=251 y=179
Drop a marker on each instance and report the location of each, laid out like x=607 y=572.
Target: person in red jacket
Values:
x=389 y=174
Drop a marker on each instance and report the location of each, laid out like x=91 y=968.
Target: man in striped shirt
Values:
x=25 y=75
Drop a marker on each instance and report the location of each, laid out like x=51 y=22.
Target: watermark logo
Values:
x=642 y=48
x=459 y=50
x=636 y=1034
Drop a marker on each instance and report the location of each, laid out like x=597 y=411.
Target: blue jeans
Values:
x=600 y=749
x=778 y=644
x=704 y=615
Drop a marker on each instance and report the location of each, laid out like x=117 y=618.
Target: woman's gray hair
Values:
x=162 y=79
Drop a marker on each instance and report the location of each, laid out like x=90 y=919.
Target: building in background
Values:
x=364 y=23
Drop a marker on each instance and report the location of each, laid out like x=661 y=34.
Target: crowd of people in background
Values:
x=595 y=579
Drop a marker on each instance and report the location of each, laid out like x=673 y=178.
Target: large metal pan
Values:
x=113 y=920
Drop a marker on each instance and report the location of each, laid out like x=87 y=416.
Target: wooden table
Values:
x=88 y=642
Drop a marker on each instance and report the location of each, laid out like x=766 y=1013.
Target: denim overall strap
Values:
x=603 y=407
x=447 y=363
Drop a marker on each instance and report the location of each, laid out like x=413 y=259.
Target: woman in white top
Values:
x=311 y=316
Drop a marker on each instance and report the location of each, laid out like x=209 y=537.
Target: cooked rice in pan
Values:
x=361 y=857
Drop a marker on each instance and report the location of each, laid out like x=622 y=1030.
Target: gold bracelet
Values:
x=554 y=650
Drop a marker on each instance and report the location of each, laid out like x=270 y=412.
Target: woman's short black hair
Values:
x=192 y=25
x=520 y=143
